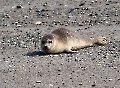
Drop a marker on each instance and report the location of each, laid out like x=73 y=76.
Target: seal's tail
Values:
x=98 y=40
x=101 y=40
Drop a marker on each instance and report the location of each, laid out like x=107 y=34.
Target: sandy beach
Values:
x=24 y=22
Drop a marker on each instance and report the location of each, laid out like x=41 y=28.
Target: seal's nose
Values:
x=45 y=47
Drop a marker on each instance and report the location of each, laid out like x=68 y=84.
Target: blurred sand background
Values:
x=24 y=22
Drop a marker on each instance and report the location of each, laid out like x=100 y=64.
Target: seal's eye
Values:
x=50 y=41
x=43 y=42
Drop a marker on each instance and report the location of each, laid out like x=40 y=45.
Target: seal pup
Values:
x=64 y=40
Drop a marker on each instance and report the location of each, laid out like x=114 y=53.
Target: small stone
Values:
x=93 y=85
x=19 y=6
x=81 y=4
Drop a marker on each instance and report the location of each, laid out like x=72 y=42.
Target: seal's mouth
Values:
x=46 y=49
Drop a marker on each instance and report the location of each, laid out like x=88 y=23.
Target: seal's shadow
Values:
x=35 y=53
x=39 y=53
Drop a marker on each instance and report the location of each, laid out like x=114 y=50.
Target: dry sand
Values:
x=24 y=22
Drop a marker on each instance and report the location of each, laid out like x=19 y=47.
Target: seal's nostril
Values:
x=45 y=47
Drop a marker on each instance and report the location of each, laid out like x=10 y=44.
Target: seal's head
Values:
x=47 y=43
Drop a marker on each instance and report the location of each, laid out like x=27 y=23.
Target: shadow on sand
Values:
x=35 y=53
x=39 y=53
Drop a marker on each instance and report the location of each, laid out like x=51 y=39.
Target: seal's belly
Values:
x=77 y=43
